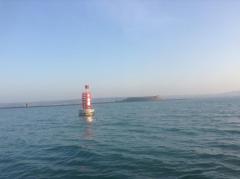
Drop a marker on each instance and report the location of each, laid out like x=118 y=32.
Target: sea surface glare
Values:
x=193 y=138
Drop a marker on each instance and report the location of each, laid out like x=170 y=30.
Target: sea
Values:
x=188 y=138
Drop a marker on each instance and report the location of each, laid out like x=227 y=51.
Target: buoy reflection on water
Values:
x=89 y=119
x=88 y=133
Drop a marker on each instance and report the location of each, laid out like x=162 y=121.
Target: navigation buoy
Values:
x=87 y=108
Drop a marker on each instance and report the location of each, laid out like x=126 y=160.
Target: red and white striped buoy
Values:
x=87 y=108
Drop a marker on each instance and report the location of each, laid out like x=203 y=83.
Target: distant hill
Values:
x=232 y=93
x=216 y=95
x=219 y=95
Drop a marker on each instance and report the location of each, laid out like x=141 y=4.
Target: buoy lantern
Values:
x=87 y=108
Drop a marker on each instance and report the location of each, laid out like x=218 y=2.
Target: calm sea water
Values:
x=198 y=138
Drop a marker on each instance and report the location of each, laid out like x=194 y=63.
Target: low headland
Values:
x=144 y=98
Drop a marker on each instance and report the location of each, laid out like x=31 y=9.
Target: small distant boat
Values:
x=87 y=108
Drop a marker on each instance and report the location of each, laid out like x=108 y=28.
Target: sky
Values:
x=50 y=48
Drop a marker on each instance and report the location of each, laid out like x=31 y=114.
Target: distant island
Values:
x=144 y=98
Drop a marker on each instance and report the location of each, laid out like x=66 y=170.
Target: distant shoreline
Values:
x=99 y=101
x=49 y=105
x=72 y=102
x=79 y=104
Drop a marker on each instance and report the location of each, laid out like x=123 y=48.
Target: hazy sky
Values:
x=50 y=48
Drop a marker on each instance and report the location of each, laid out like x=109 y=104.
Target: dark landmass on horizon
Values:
x=144 y=98
x=112 y=100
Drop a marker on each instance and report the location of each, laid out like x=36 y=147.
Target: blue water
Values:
x=195 y=138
